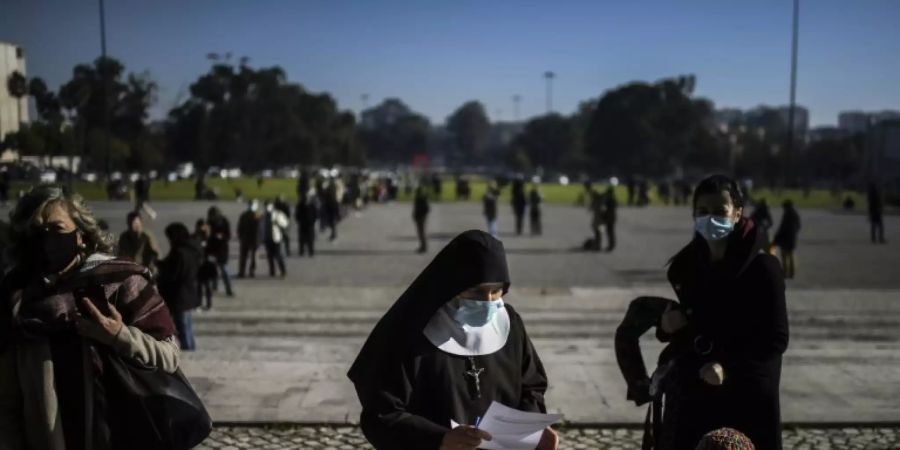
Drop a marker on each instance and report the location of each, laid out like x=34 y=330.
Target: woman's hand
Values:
x=99 y=327
x=549 y=440
x=672 y=320
x=464 y=437
x=713 y=373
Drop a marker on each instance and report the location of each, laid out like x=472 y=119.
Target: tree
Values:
x=100 y=97
x=651 y=129
x=255 y=118
x=471 y=129
x=392 y=132
x=544 y=142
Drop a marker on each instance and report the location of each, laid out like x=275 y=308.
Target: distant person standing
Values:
x=519 y=203
x=332 y=208
x=598 y=217
x=763 y=220
x=876 y=214
x=199 y=187
x=786 y=237
x=217 y=244
x=141 y=192
x=271 y=233
x=610 y=208
x=490 y=207
x=248 y=237
x=282 y=205
x=178 y=280
x=643 y=193
x=421 y=208
x=138 y=245
x=437 y=186
x=306 y=213
x=209 y=270
x=535 y=198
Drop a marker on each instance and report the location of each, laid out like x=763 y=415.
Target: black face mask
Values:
x=54 y=251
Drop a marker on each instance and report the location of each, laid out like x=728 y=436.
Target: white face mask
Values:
x=713 y=228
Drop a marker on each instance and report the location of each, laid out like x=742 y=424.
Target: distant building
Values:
x=727 y=118
x=827 y=133
x=853 y=122
x=13 y=111
x=884 y=152
x=859 y=121
x=730 y=118
x=801 y=119
x=884 y=116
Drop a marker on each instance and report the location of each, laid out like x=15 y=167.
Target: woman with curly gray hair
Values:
x=64 y=304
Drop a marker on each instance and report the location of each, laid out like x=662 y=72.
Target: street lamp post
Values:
x=789 y=155
x=106 y=88
x=549 y=76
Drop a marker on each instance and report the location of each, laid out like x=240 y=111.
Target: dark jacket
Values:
x=306 y=213
x=248 y=227
x=490 y=204
x=421 y=208
x=786 y=236
x=217 y=245
x=178 y=276
x=737 y=317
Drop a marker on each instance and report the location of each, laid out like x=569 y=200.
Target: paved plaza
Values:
x=278 y=352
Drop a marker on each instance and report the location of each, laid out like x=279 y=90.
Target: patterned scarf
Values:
x=34 y=309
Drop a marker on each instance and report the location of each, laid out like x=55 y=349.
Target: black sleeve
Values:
x=771 y=330
x=534 y=377
x=385 y=420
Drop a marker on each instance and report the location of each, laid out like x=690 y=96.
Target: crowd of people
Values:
x=449 y=346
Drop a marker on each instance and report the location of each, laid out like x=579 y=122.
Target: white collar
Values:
x=445 y=333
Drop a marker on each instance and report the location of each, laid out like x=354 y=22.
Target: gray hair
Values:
x=33 y=204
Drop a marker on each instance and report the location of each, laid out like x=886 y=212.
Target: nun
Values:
x=447 y=349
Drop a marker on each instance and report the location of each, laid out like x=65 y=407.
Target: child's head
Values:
x=725 y=439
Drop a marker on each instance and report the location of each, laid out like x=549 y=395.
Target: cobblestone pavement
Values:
x=350 y=438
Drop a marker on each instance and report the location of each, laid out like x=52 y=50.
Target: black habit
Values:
x=409 y=389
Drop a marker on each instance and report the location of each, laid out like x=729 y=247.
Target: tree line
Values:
x=255 y=118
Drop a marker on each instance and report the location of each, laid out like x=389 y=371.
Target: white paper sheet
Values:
x=512 y=429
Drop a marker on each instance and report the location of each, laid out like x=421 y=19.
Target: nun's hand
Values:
x=99 y=327
x=672 y=320
x=713 y=373
x=464 y=437
x=549 y=440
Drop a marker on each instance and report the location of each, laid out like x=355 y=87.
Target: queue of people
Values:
x=447 y=349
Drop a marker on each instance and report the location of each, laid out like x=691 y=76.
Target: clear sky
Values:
x=435 y=55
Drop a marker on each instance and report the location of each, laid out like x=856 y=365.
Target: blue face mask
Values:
x=476 y=313
x=713 y=228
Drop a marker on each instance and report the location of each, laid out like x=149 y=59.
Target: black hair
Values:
x=131 y=216
x=715 y=184
x=177 y=232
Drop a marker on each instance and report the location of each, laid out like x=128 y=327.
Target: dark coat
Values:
x=215 y=245
x=248 y=227
x=490 y=205
x=788 y=230
x=307 y=213
x=421 y=208
x=179 y=275
x=737 y=317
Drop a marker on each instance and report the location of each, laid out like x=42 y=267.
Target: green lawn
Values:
x=553 y=193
